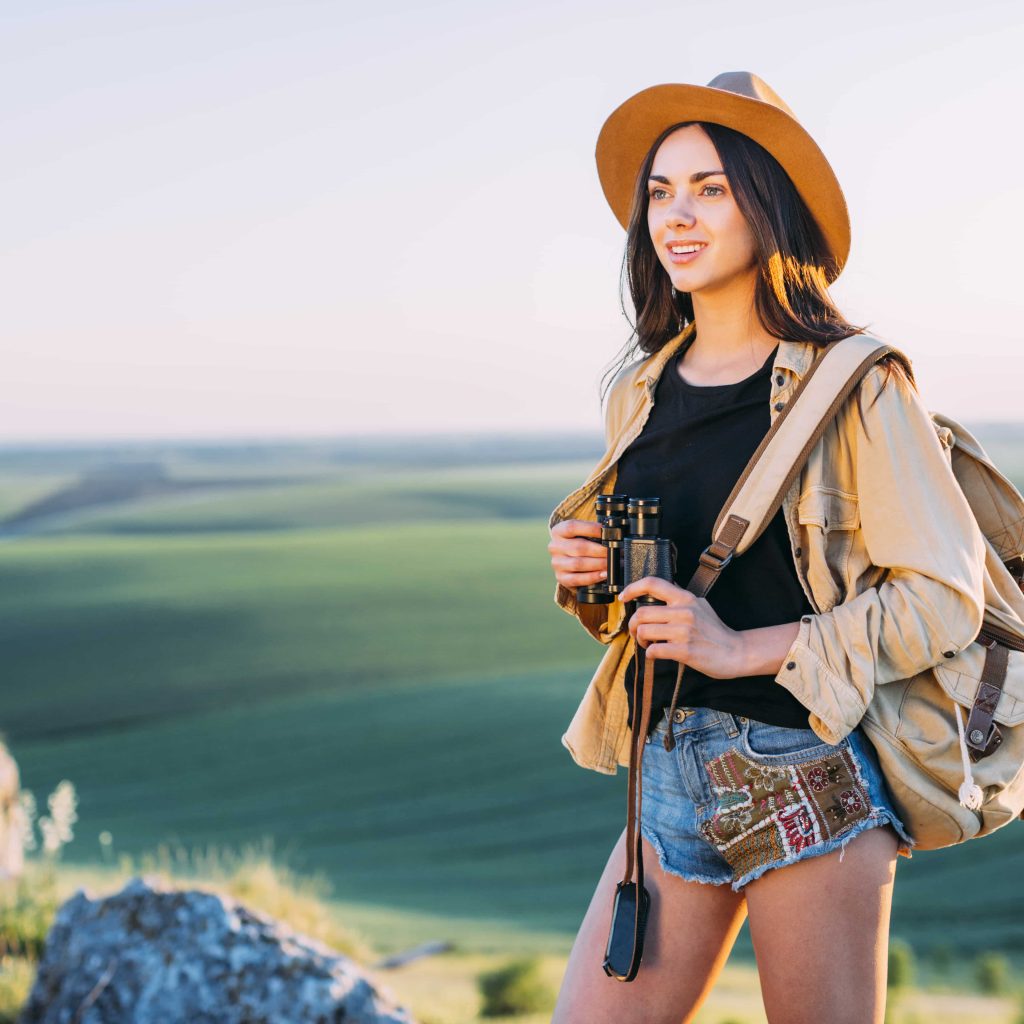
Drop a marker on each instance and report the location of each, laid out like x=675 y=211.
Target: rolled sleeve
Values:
x=602 y=621
x=916 y=523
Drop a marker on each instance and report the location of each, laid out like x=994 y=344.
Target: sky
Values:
x=308 y=219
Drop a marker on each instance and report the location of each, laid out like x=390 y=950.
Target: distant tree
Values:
x=992 y=973
x=901 y=964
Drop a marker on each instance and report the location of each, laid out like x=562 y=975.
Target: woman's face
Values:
x=682 y=210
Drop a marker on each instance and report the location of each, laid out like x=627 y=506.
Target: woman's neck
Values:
x=726 y=349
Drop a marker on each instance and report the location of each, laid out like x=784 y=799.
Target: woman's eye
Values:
x=719 y=187
x=655 y=191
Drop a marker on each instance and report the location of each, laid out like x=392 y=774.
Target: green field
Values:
x=366 y=664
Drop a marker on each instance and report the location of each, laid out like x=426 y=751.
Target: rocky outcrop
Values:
x=153 y=955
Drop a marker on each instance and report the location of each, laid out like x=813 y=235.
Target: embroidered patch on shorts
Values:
x=767 y=813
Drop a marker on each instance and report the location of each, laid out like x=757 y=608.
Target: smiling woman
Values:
x=735 y=228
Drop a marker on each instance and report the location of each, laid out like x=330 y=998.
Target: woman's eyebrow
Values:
x=694 y=178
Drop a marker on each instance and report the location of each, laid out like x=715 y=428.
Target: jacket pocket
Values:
x=828 y=520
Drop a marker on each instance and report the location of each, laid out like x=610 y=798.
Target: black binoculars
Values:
x=629 y=530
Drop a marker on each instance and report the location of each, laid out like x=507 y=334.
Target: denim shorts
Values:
x=737 y=796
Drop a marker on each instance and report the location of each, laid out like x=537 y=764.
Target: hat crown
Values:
x=746 y=83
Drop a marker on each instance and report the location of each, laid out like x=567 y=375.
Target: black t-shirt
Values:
x=695 y=444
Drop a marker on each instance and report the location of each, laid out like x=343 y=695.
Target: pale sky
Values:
x=304 y=219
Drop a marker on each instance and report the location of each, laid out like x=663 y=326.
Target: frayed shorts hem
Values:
x=875 y=820
x=688 y=876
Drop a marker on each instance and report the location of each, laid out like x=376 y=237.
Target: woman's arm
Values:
x=765 y=648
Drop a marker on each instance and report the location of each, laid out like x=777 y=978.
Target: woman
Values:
x=761 y=797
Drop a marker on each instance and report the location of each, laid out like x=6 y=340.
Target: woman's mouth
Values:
x=684 y=252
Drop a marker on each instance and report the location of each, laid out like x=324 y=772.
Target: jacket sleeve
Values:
x=916 y=523
x=602 y=621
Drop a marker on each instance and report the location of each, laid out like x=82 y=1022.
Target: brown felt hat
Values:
x=741 y=101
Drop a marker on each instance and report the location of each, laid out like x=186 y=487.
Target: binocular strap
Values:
x=711 y=565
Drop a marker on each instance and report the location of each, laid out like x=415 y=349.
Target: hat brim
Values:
x=630 y=130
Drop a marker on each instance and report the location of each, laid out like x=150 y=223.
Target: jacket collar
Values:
x=795 y=356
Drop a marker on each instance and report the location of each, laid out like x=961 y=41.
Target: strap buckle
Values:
x=713 y=561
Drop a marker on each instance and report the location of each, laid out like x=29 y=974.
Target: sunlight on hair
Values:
x=777 y=264
x=809 y=277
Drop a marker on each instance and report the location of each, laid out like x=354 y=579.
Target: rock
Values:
x=154 y=955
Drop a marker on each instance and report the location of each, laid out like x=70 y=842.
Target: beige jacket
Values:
x=884 y=544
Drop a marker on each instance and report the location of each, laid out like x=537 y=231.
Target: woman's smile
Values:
x=682 y=252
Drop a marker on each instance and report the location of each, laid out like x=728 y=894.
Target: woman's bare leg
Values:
x=820 y=929
x=690 y=931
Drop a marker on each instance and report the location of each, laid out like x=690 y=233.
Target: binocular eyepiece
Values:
x=629 y=530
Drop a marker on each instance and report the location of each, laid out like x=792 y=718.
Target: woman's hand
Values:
x=577 y=562
x=684 y=629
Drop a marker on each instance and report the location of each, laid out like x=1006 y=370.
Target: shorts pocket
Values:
x=777 y=744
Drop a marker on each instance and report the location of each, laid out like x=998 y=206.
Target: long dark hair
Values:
x=791 y=294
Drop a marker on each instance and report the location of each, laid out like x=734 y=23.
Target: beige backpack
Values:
x=950 y=740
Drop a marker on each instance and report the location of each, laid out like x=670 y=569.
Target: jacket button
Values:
x=949 y=654
x=779 y=406
x=780 y=379
x=806 y=618
x=799 y=552
x=790 y=664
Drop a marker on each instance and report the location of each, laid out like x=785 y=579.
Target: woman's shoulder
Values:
x=890 y=378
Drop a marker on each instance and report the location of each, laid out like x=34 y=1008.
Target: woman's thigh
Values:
x=820 y=929
x=690 y=931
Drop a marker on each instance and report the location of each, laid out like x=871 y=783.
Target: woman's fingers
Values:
x=655 y=632
x=576 y=528
x=578 y=549
x=577 y=561
x=579 y=579
x=579 y=571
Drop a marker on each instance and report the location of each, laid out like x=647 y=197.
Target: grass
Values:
x=372 y=672
x=444 y=988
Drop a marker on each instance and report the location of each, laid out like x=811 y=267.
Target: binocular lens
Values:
x=629 y=531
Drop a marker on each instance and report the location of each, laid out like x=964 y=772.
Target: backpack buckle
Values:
x=714 y=562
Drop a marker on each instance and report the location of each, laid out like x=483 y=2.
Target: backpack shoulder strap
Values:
x=778 y=459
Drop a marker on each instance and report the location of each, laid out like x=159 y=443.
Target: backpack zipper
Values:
x=1002 y=636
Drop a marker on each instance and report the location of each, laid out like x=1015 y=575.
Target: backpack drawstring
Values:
x=970 y=792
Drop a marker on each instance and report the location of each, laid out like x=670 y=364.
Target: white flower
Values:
x=56 y=827
x=62 y=802
x=24 y=817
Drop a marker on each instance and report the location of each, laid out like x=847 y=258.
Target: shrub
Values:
x=516 y=988
x=901 y=964
x=28 y=905
x=992 y=973
x=16 y=978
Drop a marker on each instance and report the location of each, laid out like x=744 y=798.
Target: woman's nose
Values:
x=680 y=213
